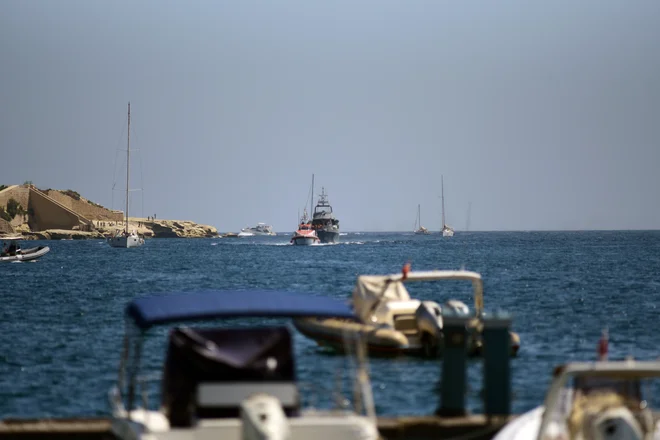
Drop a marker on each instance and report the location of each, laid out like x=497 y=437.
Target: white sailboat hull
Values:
x=447 y=233
x=126 y=241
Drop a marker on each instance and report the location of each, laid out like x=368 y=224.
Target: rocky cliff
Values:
x=146 y=228
x=56 y=214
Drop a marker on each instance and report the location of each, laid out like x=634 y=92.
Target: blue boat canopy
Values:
x=188 y=306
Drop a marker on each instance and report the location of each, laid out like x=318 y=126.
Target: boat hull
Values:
x=27 y=254
x=380 y=341
x=125 y=241
x=328 y=236
x=301 y=240
x=447 y=233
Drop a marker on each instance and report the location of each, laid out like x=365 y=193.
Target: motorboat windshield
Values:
x=210 y=370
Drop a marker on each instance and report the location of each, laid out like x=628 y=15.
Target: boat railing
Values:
x=145 y=384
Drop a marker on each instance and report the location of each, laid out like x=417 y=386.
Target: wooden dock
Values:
x=474 y=427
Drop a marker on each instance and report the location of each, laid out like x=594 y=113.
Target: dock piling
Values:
x=454 y=365
x=496 y=358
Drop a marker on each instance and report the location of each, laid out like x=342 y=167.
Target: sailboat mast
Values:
x=128 y=161
x=442 y=183
x=419 y=216
x=311 y=201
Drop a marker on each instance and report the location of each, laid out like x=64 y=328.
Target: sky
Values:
x=538 y=115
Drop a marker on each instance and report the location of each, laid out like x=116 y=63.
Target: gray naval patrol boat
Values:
x=323 y=220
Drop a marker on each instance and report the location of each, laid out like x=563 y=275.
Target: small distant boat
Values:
x=305 y=235
x=260 y=229
x=446 y=230
x=230 y=235
x=126 y=238
x=11 y=251
x=419 y=229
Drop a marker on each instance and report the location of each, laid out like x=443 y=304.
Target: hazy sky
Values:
x=542 y=115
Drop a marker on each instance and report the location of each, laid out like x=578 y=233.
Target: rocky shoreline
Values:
x=144 y=227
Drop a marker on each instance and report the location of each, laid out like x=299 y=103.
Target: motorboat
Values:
x=125 y=238
x=594 y=400
x=225 y=382
x=12 y=251
x=418 y=228
x=446 y=230
x=260 y=229
x=395 y=324
x=305 y=235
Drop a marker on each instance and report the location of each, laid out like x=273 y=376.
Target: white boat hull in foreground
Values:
x=594 y=400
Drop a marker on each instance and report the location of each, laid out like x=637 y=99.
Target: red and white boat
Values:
x=305 y=235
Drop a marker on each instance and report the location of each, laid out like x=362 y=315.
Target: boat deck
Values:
x=418 y=428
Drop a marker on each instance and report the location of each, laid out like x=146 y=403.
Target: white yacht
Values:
x=234 y=382
x=260 y=229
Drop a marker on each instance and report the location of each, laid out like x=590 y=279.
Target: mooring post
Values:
x=497 y=370
x=454 y=365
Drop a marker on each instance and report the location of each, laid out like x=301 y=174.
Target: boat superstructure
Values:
x=11 y=250
x=125 y=238
x=259 y=229
x=394 y=324
x=418 y=228
x=232 y=382
x=446 y=230
x=323 y=219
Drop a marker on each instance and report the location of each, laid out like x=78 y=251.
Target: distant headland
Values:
x=63 y=214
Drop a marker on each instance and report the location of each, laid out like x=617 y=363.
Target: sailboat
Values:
x=126 y=238
x=446 y=230
x=419 y=229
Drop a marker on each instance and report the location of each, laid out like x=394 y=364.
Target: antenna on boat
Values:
x=603 y=345
x=311 y=200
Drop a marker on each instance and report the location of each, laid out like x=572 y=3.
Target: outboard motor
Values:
x=457 y=306
x=262 y=418
x=615 y=423
x=429 y=324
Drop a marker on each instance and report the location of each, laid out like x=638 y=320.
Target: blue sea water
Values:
x=62 y=318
